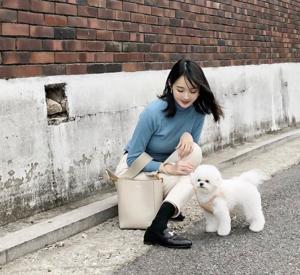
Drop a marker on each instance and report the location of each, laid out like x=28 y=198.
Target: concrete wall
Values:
x=42 y=166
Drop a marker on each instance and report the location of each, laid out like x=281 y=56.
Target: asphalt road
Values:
x=276 y=250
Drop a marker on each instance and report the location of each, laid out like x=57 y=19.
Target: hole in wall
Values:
x=57 y=103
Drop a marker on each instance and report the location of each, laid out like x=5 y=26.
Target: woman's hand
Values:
x=185 y=145
x=179 y=168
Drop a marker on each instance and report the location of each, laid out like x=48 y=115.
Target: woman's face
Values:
x=184 y=93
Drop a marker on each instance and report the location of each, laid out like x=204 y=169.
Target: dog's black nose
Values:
x=201 y=184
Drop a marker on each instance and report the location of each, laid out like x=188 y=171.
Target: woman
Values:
x=173 y=122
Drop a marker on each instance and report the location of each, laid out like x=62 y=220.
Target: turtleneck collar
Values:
x=179 y=108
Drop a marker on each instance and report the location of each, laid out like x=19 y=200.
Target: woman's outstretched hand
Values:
x=179 y=168
x=185 y=145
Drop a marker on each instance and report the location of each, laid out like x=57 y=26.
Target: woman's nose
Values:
x=186 y=95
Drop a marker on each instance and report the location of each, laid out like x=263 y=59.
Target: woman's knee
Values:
x=195 y=157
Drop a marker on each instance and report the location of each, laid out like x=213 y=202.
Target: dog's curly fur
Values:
x=218 y=196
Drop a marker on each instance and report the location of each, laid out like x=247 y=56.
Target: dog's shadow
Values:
x=239 y=229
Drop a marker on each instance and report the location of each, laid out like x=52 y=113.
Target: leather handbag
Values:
x=138 y=200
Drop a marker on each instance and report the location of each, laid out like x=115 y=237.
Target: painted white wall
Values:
x=44 y=165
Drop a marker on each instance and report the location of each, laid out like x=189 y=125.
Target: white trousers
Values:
x=178 y=190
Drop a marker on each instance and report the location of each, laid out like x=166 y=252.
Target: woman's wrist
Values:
x=163 y=167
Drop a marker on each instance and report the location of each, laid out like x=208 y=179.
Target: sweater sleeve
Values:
x=145 y=128
x=197 y=128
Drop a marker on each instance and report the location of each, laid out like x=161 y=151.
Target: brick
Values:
x=87 y=11
x=113 y=46
x=39 y=31
x=74 y=45
x=131 y=27
x=7 y=72
x=130 y=47
x=7 y=44
x=150 y=38
x=55 y=20
x=139 y=18
x=16 y=4
x=122 y=16
x=121 y=36
x=63 y=57
x=95 y=68
x=8 y=15
x=31 y=18
x=132 y=67
x=76 y=69
x=27 y=44
x=15 y=57
x=86 y=34
x=41 y=57
x=64 y=33
x=144 y=9
x=114 y=25
x=132 y=7
x=66 y=9
x=114 y=5
x=157 y=11
x=27 y=70
x=96 y=46
x=152 y=20
x=79 y=2
x=42 y=6
x=74 y=21
x=106 y=14
x=53 y=45
x=54 y=69
x=97 y=3
x=86 y=57
x=104 y=35
x=15 y=29
x=96 y=23
x=125 y=57
x=104 y=57
x=109 y=68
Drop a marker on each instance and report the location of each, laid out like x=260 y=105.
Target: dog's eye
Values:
x=198 y=180
x=207 y=181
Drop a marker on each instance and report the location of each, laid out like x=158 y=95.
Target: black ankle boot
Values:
x=166 y=238
x=179 y=218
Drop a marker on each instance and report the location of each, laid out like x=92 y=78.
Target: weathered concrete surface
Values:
x=105 y=248
x=43 y=166
x=21 y=238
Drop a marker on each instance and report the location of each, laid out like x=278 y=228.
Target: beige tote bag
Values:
x=138 y=200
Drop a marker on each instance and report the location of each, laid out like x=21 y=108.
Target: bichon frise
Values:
x=217 y=196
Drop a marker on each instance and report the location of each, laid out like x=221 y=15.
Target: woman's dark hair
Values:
x=205 y=103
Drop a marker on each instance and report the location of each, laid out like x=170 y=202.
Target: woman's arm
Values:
x=144 y=129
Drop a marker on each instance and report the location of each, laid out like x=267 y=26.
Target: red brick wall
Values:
x=96 y=36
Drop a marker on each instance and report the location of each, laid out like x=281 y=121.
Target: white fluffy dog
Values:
x=217 y=196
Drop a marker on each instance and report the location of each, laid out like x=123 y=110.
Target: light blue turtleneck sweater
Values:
x=158 y=135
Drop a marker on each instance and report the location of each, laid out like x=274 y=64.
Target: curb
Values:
x=34 y=237
x=37 y=236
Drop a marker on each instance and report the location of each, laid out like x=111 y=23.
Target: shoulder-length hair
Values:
x=205 y=103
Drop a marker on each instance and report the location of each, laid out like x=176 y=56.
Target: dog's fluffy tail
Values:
x=254 y=176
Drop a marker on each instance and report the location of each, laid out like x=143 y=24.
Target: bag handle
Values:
x=135 y=168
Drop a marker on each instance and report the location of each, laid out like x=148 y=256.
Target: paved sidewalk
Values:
x=105 y=248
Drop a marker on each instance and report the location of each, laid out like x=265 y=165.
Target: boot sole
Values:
x=168 y=246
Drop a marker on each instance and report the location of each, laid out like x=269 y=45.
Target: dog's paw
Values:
x=257 y=226
x=223 y=231
x=210 y=229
